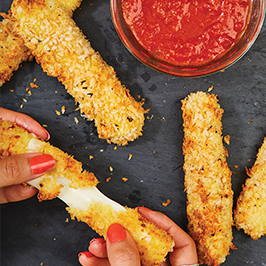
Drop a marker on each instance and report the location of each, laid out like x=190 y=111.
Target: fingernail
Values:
x=98 y=241
x=47 y=134
x=86 y=253
x=116 y=232
x=144 y=208
x=41 y=163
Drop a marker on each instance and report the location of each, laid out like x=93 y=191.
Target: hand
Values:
x=18 y=169
x=120 y=250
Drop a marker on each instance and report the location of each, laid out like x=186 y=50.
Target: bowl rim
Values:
x=231 y=57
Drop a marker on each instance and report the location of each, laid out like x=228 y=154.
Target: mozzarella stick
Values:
x=12 y=49
x=250 y=212
x=77 y=188
x=207 y=178
x=64 y=52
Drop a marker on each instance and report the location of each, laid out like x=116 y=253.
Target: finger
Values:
x=86 y=258
x=25 y=121
x=16 y=193
x=184 y=249
x=22 y=168
x=121 y=248
x=98 y=247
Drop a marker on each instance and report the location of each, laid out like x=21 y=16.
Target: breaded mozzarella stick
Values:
x=77 y=188
x=250 y=212
x=63 y=51
x=207 y=178
x=12 y=49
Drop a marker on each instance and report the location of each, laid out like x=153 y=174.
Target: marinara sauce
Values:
x=187 y=32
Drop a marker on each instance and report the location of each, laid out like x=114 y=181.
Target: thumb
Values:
x=121 y=248
x=22 y=168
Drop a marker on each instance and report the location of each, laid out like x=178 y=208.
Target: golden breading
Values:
x=64 y=52
x=153 y=242
x=207 y=178
x=12 y=49
x=16 y=140
x=250 y=212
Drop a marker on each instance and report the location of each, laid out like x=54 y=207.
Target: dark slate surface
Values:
x=33 y=233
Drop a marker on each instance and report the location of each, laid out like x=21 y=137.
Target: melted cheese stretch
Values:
x=79 y=198
x=77 y=188
x=75 y=198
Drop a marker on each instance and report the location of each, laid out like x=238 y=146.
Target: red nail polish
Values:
x=86 y=253
x=99 y=241
x=116 y=232
x=144 y=208
x=41 y=163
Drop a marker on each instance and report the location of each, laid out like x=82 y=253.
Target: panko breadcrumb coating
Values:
x=250 y=212
x=64 y=52
x=207 y=178
x=153 y=242
x=12 y=49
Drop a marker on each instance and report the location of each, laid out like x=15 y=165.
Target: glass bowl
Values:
x=232 y=56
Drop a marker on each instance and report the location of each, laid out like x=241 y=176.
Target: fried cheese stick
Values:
x=207 y=178
x=250 y=212
x=12 y=48
x=77 y=188
x=63 y=51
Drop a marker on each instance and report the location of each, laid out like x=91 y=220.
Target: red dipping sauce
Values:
x=187 y=32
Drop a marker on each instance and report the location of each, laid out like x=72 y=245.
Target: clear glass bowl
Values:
x=232 y=56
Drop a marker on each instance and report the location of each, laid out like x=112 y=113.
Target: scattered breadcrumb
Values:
x=24 y=100
x=165 y=204
x=210 y=89
x=227 y=139
x=130 y=156
x=124 y=179
x=76 y=120
x=236 y=166
x=57 y=112
x=163 y=118
x=111 y=169
x=91 y=157
x=41 y=263
x=44 y=125
x=67 y=220
x=222 y=70
x=11 y=90
x=115 y=148
x=33 y=85
x=250 y=122
x=63 y=109
x=150 y=117
x=29 y=92
x=21 y=106
x=108 y=179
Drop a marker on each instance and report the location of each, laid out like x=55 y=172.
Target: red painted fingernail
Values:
x=99 y=241
x=41 y=163
x=144 y=208
x=47 y=133
x=86 y=253
x=116 y=232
